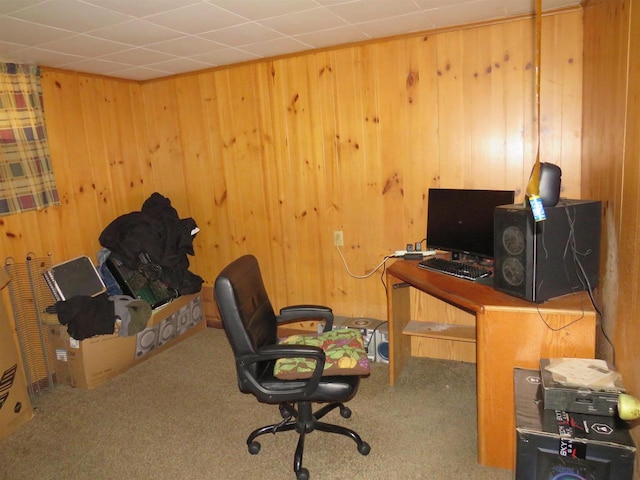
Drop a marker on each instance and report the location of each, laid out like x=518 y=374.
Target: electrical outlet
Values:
x=338 y=238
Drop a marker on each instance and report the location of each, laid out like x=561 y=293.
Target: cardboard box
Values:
x=557 y=444
x=90 y=362
x=15 y=406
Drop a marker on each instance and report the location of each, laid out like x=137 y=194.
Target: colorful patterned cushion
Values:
x=344 y=350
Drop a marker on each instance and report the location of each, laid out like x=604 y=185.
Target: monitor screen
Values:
x=461 y=220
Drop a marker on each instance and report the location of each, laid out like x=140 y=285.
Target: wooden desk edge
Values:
x=476 y=297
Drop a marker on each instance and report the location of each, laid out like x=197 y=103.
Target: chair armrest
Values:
x=295 y=313
x=274 y=352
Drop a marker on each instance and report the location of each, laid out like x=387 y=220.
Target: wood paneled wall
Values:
x=271 y=157
x=611 y=172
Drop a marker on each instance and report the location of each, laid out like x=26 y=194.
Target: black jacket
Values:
x=157 y=231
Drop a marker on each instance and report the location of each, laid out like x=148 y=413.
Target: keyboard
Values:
x=457 y=269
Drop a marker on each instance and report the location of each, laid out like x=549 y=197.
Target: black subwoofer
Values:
x=541 y=260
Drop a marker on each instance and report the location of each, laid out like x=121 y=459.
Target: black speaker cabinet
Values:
x=541 y=260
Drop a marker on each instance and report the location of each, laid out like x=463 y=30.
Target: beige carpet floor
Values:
x=179 y=415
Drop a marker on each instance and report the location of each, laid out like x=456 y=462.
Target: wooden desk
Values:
x=436 y=315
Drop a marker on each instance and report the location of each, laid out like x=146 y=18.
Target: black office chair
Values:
x=251 y=326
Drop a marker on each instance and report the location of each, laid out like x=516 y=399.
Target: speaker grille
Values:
x=513 y=249
x=513 y=240
x=513 y=271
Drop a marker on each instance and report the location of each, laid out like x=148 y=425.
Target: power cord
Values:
x=367 y=275
x=584 y=280
x=382 y=264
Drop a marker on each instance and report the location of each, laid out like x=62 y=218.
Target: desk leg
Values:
x=518 y=338
x=398 y=314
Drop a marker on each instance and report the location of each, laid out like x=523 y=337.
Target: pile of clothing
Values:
x=158 y=233
x=155 y=233
x=86 y=316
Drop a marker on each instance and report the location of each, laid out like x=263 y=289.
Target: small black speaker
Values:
x=550 y=179
x=541 y=260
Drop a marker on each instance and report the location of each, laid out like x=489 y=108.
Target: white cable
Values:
x=366 y=275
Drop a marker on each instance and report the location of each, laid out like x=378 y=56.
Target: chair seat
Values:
x=330 y=389
x=344 y=350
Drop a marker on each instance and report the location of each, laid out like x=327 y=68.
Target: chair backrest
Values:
x=247 y=315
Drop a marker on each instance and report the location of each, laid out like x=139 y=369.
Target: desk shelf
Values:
x=442 y=331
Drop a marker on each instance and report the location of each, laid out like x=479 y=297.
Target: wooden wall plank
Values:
x=302 y=176
x=562 y=94
x=243 y=163
x=127 y=156
x=164 y=143
x=359 y=158
x=520 y=106
x=451 y=110
x=208 y=208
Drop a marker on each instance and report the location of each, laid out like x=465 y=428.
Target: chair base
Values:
x=304 y=421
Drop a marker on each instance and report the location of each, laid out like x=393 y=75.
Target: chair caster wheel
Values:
x=302 y=474
x=364 y=449
x=254 y=448
x=345 y=412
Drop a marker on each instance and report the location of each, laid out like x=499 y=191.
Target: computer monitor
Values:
x=461 y=220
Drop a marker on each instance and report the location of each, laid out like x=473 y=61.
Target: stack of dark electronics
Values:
x=567 y=424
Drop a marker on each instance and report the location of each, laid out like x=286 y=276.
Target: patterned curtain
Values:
x=26 y=175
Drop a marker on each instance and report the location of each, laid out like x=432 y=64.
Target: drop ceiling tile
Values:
x=138 y=56
x=197 y=18
x=84 y=45
x=258 y=10
x=9 y=6
x=519 y=7
x=136 y=32
x=280 y=46
x=7 y=48
x=327 y=38
x=304 y=22
x=329 y=3
x=472 y=12
x=72 y=15
x=413 y=22
x=242 y=34
x=141 y=8
x=94 y=65
x=40 y=56
x=433 y=4
x=28 y=34
x=359 y=11
x=226 y=56
x=179 y=65
x=138 y=73
x=186 y=46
